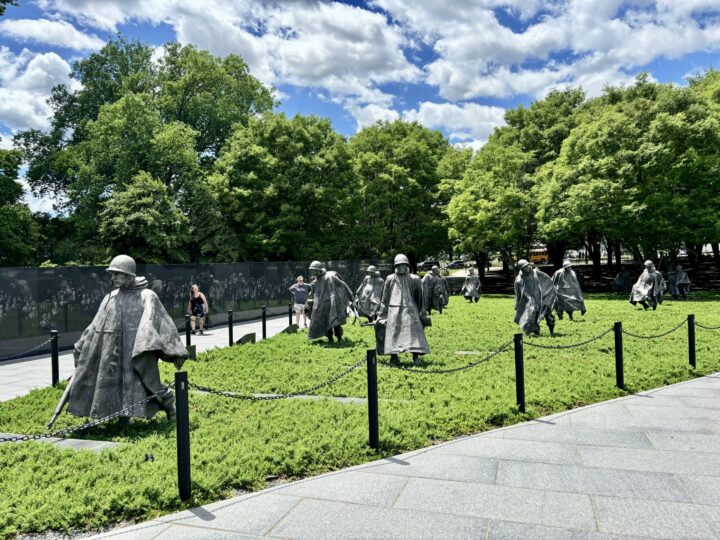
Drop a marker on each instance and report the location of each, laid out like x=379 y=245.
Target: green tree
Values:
x=397 y=163
x=20 y=232
x=4 y=4
x=286 y=190
x=142 y=219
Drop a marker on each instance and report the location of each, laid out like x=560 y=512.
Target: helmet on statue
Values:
x=401 y=259
x=123 y=264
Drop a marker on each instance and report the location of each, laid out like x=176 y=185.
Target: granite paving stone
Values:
x=651 y=460
x=577 y=435
x=657 y=519
x=252 y=514
x=549 y=452
x=352 y=486
x=498 y=502
x=506 y=530
x=314 y=519
x=702 y=489
x=680 y=441
x=182 y=532
x=441 y=467
x=143 y=531
x=595 y=481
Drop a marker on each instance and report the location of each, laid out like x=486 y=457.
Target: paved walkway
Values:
x=643 y=466
x=18 y=377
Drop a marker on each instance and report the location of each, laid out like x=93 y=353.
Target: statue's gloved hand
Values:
x=179 y=363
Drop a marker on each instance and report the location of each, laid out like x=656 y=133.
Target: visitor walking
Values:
x=198 y=308
x=300 y=291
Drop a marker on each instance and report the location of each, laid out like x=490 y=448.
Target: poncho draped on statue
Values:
x=116 y=356
x=534 y=295
x=401 y=305
x=370 y=295
x=331 y=297
x=678 y=277
x=471 y=286
x=446 y=288
x=649 y=286
x=433 y=292
x=569 y=294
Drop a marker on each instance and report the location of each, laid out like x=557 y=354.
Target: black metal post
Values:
x=54 y=357
x=290 y=313
x=373 y=400
x=231 y=341
x=619 y=368
x=264 y=322
x=519 y=373
x=182 y=424
x=187 y=330
x=691 y=340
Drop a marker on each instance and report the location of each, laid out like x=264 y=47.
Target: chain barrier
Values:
x=538 y=345
x=639 y=336
x=503 y=348
x=25 y=353
x=74 y=429
x=704 y=327
x=233 y=395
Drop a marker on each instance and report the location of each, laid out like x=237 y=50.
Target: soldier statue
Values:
x=535 y=297
x=434 y=293
x=369 y=294
x=471 y=286
x=116 y=358
x=329 y=299
x=402 y=316
x=679 y=283
x=649 y=287
x=569 y=294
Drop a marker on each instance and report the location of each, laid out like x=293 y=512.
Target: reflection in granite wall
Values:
x=34 y=301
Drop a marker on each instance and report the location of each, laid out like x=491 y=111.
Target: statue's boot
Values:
x=416 y=359
x=339 y=333
x=560 y=314
x=394 y=359
x=167 y=404
x=552 y=329
x=644 y=305
x=570 y=316
x=329 y=335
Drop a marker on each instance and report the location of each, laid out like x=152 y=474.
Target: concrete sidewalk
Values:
x=18 y=377
x=643 y=466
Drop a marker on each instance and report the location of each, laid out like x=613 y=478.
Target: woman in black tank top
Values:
x=198 y=308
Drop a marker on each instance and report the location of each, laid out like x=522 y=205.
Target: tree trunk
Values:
x=716 y=252
x=609 y=245
x=556 y=252
x=636 y=253
x=505 y=262
x=617 y=246
x=412 y=257
x=692 y=254
x=596 y=257
x=480 y=260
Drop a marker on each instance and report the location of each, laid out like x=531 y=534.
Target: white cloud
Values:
x=370 y=114
x=26 y=80
x=467 y=123
x=56 y=33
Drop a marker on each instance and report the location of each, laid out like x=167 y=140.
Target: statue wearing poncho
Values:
x=471 y=286
x=402 y=313
x=569 y=294
x=433 y=291
x=535 y=296
x=679 y=283
x=330 y=299
x=369 y=294
x=649 y=287
x=116 y=356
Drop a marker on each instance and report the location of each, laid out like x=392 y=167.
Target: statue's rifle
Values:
x=61 y=404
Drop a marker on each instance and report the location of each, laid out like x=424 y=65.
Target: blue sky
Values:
x=454 y=65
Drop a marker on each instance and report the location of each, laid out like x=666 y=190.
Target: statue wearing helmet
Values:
x=535 y=297
x=649 y=287
x=329 y=299
x=116 y=358
x=569 y=293
x=402 y=315
x=433 y=291
x=471 y=287
x=369 y=294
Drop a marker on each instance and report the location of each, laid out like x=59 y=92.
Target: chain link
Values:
x=673 y=329
x=503 y=348
x=306 y=391
x=707 y=327
x=74 y=429
x=26 y=353
x=538 y=345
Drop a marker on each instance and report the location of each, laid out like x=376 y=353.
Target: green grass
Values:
x=238 y=445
